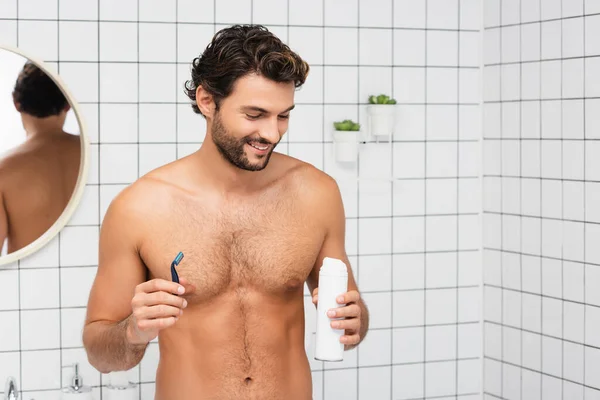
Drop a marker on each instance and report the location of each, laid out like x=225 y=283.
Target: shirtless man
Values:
x=253 y=225
x=38 y=177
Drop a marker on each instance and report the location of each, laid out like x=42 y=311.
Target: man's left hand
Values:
x=351 y=313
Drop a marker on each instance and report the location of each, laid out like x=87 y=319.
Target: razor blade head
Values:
x=178 y=258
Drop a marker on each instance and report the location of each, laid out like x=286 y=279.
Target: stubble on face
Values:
x=234 y=150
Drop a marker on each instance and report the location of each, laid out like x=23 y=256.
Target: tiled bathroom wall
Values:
x=412 y=205
x=541 y=190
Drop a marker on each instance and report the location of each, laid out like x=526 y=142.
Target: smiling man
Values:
x=254 y=226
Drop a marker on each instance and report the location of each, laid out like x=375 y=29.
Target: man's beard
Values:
x=233 y=150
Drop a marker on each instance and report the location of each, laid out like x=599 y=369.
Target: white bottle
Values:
x=333 y=282
x=120 y=388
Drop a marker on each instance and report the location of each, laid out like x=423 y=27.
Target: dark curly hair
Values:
x=240 y=50
x=37 y=94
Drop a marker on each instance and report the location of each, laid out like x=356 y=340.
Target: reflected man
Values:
x=38 y=177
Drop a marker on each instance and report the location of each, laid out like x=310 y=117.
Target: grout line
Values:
x=540 y=61
x=458 y=91
x=19 y=268
x=425 y=209
x=395 y=28
x=425 y=206
x=562 y=204
x=313 y=65
x=542 y=21
x=480 y=49
x=358 y=30
x=17 y=22
x=348 y=104
x=317 y=142
x=542 y=374
x=391 y=150
x=543 y=335
x=544 y=296
x=98 y=150
x=541 y=101
x=500 y=3
x=322 y=85
x=584 y=210
x=61 y=369
x=521 y=197
x=139 y=367
x=541 y=154
x=487 y=394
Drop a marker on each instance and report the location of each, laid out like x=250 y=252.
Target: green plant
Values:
x=381 y=99
x=346 y=125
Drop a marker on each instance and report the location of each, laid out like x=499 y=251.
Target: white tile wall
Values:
x=413 y=243
x=541 y=315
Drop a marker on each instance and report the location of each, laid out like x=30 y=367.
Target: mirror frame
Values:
x=82 y=177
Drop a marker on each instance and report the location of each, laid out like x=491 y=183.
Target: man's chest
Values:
x=271 y=253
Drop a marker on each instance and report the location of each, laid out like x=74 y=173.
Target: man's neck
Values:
x=225 y=176
x=42 y=127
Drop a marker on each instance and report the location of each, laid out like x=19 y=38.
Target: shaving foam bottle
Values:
x=333 y=282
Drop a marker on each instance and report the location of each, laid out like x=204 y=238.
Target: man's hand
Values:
x=156 y=305
x=351 y=312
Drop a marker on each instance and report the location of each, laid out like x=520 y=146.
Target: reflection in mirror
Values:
x=41 y=148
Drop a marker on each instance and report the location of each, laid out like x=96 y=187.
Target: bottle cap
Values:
x=333 y=267
x=119 y=378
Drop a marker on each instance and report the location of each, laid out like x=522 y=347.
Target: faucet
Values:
x=10 y=389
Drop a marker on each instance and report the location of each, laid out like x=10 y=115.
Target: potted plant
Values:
x=346 y=137
x=381 y=113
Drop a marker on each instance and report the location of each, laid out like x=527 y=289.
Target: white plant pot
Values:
x=345 y=145
x=382 y=119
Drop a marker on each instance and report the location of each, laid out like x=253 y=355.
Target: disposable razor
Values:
x=174 y=276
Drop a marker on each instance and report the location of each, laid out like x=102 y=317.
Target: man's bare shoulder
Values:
x=27 y=154
x=13 y=163
x=311 y=182
x=15 y=157
x=146 y=196
x=138 y=210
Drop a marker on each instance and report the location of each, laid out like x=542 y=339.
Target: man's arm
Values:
x=120 y=270
x=334 y=246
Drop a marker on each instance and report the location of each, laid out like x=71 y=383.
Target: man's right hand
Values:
x=156 y=305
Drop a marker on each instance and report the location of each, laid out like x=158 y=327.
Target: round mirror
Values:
x=43 y=155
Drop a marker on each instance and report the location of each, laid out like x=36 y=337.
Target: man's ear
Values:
x=17 y=105
x=205 y=102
